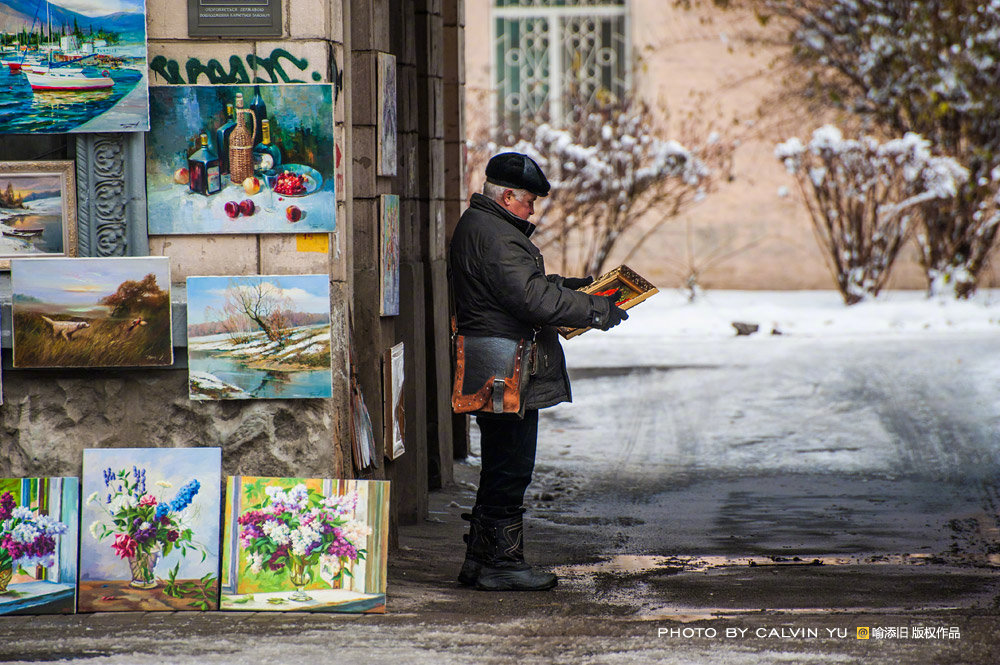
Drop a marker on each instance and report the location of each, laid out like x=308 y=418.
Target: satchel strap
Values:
x=499 y=393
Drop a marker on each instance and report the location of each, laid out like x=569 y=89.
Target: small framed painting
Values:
x=37 y=210
x=392 y=406
x=386 y=114
x=628 y=285
x=389 y=255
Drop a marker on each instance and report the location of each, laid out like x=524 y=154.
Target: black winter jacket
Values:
x=501 y=290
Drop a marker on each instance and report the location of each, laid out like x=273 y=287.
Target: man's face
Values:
x=523 y=208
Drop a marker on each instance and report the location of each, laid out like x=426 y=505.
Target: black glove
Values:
x=615 y=313
x=577 y=282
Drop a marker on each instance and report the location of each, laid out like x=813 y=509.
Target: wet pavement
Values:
x=760 y=511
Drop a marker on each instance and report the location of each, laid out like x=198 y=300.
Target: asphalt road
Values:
x=734 y=504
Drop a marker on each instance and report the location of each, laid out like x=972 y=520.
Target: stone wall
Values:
x=49 y=417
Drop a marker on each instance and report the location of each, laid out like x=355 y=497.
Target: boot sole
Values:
x=511 y=582
x=469 y=573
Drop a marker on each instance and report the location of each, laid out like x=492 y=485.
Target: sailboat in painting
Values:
x=52 y=78
x=73 y=66
x=47 y=76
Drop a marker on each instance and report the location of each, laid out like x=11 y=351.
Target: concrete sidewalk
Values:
x=622 y=609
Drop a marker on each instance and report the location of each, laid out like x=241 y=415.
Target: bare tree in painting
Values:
x=260 y=305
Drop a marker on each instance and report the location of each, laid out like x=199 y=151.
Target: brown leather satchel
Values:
x=491 y=374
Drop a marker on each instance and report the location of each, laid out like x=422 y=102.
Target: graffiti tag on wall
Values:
x=279 y=67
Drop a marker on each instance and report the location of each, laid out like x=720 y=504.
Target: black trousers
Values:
x=508 y=451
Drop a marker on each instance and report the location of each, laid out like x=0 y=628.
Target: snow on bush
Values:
x=608 y=169
x=931 y=67
x=862 y=197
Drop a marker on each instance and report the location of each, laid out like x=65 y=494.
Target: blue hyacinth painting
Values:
x=150 y=529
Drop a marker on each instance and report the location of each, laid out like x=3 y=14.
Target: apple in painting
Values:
x=251 y=185
x=247 y=207
x=232 y=209
x=293 y=213
x=181 y=176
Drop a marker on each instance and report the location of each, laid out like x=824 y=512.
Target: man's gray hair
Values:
x=494 y=191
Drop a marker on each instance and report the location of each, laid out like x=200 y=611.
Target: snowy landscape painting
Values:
x=37 y=209
x=73 y=66
x=107 y=312
x=305 y=544
x=39 y=524
x=259 y=337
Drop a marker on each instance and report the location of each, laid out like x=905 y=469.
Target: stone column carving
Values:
x=111 y=195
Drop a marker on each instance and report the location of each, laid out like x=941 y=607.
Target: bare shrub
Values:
x=862 y=197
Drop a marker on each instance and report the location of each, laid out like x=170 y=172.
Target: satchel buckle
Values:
x=499 y=388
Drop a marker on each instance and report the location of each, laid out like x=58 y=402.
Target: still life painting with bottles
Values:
x=241 y=159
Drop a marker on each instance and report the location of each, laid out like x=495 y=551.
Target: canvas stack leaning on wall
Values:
x=305 y=544
x=259 y=337
x=150 y=529
x=39 y=529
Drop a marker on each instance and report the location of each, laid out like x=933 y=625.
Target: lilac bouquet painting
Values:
x=38 y=532
x=153 y=523
x=305 y=544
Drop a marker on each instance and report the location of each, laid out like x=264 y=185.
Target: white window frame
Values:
x=553 y=14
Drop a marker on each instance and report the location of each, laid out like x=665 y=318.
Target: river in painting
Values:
x=262 y=383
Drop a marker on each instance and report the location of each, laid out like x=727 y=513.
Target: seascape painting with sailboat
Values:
x=73 y=66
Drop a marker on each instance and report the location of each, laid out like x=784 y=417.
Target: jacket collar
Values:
x=486 y=204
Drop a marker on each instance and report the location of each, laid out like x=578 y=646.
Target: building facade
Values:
x=701 y=71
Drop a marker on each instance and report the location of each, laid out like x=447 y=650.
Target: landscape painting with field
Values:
x=109 y=312
x=305 y=544
x=73 y=66
x=259 y=337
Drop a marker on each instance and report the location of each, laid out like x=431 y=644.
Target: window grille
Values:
x=554 y=58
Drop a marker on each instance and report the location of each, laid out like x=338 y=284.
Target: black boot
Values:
x=477 y=550
x=505 y=569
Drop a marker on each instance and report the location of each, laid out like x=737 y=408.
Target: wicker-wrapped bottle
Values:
x=241 y=143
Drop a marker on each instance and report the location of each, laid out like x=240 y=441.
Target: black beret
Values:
x=517 y=171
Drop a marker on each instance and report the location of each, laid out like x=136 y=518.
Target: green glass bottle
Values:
x=266 y=155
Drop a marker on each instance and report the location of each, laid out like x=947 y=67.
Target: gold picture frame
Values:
x=632 y=287
x=28 y=224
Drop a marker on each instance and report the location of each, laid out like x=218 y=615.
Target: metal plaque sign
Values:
x=234 y=18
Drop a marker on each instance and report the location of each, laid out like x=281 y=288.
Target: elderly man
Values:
x=501 y=290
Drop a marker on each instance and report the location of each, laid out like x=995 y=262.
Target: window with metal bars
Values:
x=553 y=59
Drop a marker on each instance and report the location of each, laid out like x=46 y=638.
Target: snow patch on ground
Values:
x=835 y=392
x=656 y=327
